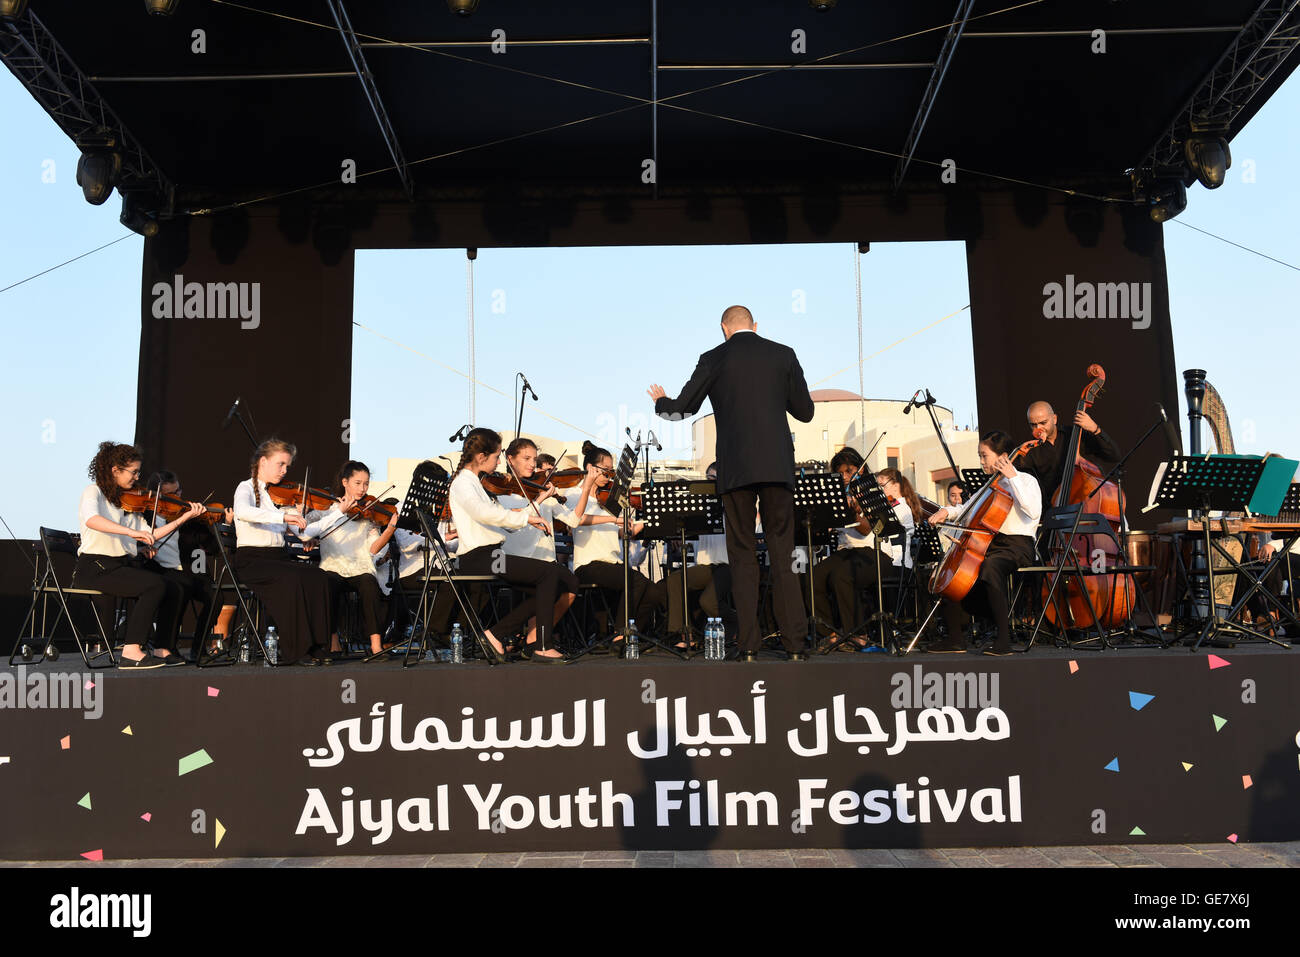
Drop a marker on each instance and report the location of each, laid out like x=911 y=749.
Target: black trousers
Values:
x=296 y=595
x=776 y=505
x=374 y=611
x=988 y=597
x=838 y=579
x=200 y=588
x=647 y=596
x=127 y=577
x=545 y=578
x=699 y=578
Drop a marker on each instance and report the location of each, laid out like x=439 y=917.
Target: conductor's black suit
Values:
x=752 y=383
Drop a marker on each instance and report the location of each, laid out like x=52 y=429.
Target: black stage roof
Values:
x=276 y=103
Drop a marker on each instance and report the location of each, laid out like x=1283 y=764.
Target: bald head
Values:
x=736 y=318
x=1039 y=409
x=1042 y=420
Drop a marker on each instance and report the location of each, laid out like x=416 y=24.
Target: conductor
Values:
x=752 y=383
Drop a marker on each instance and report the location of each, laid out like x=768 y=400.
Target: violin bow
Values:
x=156 y=546
x=348 y=518
x=522 y=491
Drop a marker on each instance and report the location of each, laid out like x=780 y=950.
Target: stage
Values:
x=851 y=751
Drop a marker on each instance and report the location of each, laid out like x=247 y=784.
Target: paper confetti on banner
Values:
x=1138 y=700
x=221 y=832
x=85 y=802
x=1137 y=831
x=1186 y=766
x=1246 y=781
x=1217 y=662
x=1114 y=765
x=192 y=762
x=65 y=742
x=97 y=855
x=1233 y=838
x=127 y=730
x=1074 y=667
x=1218 y=722
x=89 y=684
x=213 y=692
x=147 y=816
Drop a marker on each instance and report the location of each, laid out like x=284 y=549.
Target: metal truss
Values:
x=932 y=90
x=41 y=65
x=372 y=94
x=1268 y=38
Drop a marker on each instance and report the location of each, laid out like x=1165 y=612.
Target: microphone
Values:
x=1171 y=434
x=528 y=386
x=231 y=414
x=911 y=403
x=460 y=433
x=655 y=440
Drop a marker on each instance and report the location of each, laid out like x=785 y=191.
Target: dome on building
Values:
x=835 y=395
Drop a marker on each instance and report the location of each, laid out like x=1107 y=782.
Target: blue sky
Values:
x=592 y=328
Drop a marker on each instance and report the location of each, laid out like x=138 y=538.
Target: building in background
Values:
x=906 y=441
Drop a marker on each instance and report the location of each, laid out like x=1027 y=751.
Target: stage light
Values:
x=12 y=9
x=821 y=5
x=1167 y=198
x=136 y=219
x=161 y=8
x=462 y=8
x=1209 y=158
x=99 y=166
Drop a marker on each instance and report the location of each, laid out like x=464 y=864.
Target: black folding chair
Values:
x=59 y=550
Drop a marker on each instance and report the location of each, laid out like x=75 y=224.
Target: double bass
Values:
x=983 y=517
x=1086 y=601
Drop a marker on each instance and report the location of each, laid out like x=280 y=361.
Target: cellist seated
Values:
x=1011 y=548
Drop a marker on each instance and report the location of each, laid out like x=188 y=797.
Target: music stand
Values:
x=819 y=502
x=972 y=481
x=425 y=500
x=880 y=515
x=1204 y=484
x=619 y=503
x=677 y=511
x=927 y=549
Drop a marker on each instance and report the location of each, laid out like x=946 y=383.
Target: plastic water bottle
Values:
x=633 y=642
x=457 y=645
x=272 y=643
x=711 y=641
x=708 y=640
x=243 y=649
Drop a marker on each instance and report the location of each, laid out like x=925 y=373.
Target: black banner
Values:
x=896 y=753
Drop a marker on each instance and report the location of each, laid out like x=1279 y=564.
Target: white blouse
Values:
x=1026 y=508
x=94 y=542
x=344 y=542
x=479 y=520
x=529 y=542
x=901 y=555
x=596 y=543
x=257 y=526
x=711 y=550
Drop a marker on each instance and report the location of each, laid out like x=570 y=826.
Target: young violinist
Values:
x=528 y=542
x=597 y=554
x=853 y=565
x=1011 y=548
x=114 y=546
x=956 y=493
x=194 y=587
x=481 y=525
x=296 y=594
x=349 y=540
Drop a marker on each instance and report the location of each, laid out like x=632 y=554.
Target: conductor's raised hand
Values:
x=656 y=392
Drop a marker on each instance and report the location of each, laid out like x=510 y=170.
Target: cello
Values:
x=982 y=519
x=1085 y=601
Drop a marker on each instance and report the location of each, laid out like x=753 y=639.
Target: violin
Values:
x=1083 y=601
x=168 y=507
x=290 y=494
x=498 y=483
x=983 y=518
x=373 y=509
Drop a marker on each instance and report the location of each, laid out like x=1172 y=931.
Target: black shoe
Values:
x=948 y=647
x=173 y=660
x=996 y=650
x=144 y=664
x=548 y=659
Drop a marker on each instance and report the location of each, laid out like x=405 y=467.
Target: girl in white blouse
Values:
x=348 y=546
x=296 y=594
x=114 y=546
x=481 y=525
